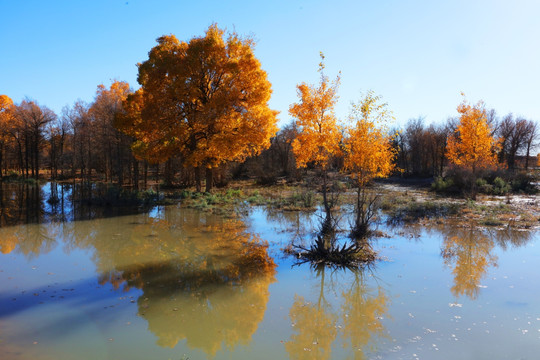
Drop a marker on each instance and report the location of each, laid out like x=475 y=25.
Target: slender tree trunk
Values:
x=1 y=160
x=36 y=155
x=136 y=174
x=26 y=155
x=327 y=226
x=21 y=165
x=119 y=165
x=168 y=172
x=527 y=156
x=209 y=179
x=197 y=178
x=145 y=175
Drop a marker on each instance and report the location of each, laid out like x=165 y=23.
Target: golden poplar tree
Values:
x=6 y=119
x=368 y=154
x=319 y=135
x=206 y=99
x=472 y=145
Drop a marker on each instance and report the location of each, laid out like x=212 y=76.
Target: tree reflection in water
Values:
x=316 y=324
x=203 y=279
x=469 y=252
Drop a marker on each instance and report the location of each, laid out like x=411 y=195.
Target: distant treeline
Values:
x=83 y=142
x=422 y=148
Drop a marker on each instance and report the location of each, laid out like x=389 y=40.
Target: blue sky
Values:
x=418 y=54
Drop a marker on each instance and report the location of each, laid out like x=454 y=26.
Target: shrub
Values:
x=442 y=185
x=500 y=187
x=522 y=182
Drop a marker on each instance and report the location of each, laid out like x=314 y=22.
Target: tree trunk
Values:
x=119 y=164
x=197 y=178
x=209 y=179
x=145 y=175
x=1 y=158
x=168 y=172
x=327 y=226
x=527 y=156
x=26 y=155
x=36 y=155
x=136 y=174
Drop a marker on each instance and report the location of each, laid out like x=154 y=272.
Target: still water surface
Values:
x=174 y=283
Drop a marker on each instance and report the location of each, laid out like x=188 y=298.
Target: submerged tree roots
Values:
x=325 y=251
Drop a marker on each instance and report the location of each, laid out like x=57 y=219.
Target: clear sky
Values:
x=417 y=54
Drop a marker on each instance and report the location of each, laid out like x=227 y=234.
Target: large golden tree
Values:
x=206 y=99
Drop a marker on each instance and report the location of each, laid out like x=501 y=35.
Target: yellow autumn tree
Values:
x=107 y=105
x=368 y=155
x=6 y=119
x=206 y=99
x=472 y=145
x=319 y=135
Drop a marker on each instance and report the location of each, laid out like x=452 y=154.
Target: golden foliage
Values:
x=368 y=150
x=472 y=145
x=315 y=331
x=319 y=136
x=316 y=324
x=362 y=314
x=5 y=103
x=8 y=242
x=206 y=99
x=204 y=279
x=7 y=117
x=109 y=101
x=469 y=253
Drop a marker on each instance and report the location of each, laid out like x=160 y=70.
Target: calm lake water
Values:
x=173 y=283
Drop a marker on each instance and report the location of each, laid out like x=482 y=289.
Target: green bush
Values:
x=481 y=182
x=523 y=183
x=500 y=187
x=304 y=199
x=442 y=185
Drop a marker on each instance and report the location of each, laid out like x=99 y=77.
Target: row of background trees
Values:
x=422 y=147
x=83 y=142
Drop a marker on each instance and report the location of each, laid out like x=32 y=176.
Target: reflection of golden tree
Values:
x=30 y=240
x=362 y=314
x=315 y=324
x=204 y=279
x=510 y=237
x=8 y=240
x=315 y=329
x=469 y=252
